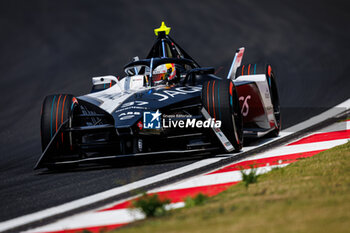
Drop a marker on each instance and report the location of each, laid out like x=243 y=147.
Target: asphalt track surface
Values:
x=49 y=47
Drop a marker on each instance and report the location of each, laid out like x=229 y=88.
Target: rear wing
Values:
x=237 y=60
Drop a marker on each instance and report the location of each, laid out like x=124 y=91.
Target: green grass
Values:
x=311 y=195
x=250 y=177
x=151 y=205
x=199 y=199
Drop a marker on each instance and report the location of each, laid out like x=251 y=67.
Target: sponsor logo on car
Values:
x=128 y=115
x=134 y=103
x=245 y=105
x=166 y=94
x=151 y=120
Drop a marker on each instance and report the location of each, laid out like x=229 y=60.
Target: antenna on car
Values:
x=162 y=31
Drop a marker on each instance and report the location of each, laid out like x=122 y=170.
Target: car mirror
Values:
x=104 y=80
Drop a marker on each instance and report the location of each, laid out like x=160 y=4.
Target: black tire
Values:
x=56 y=109
x=220 y=99
x=260 y=68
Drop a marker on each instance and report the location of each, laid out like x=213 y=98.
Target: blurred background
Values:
x=49 y=47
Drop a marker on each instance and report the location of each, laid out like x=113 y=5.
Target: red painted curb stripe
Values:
x=263 y=162
x=95 y=229
x=321 y=137
x=179 y=195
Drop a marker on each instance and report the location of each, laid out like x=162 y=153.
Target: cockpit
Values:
x=166 y=63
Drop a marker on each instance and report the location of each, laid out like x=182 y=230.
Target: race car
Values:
x=166 y=104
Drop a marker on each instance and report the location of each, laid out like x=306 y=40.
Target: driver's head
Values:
x=163 y=73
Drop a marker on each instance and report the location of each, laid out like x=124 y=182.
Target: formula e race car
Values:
x=166 y=104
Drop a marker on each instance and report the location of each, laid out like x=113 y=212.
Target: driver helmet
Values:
x=163 y=73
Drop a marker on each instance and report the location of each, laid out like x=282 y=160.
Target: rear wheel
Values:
x=220 y=99
x=260 y=68
x=56 y=110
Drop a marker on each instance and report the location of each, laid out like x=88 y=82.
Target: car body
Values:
x=134 y=117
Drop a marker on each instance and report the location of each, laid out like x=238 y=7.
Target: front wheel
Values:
x=56 y=110
x=220 y=99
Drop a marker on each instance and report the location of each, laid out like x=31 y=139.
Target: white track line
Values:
x=95 y=219
x=26 y=219
x=299 y=148
x=102 y=196
x=321 y=117
x=212 y=179
x=124 y=216
x=339 y=126
x=116 y=191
